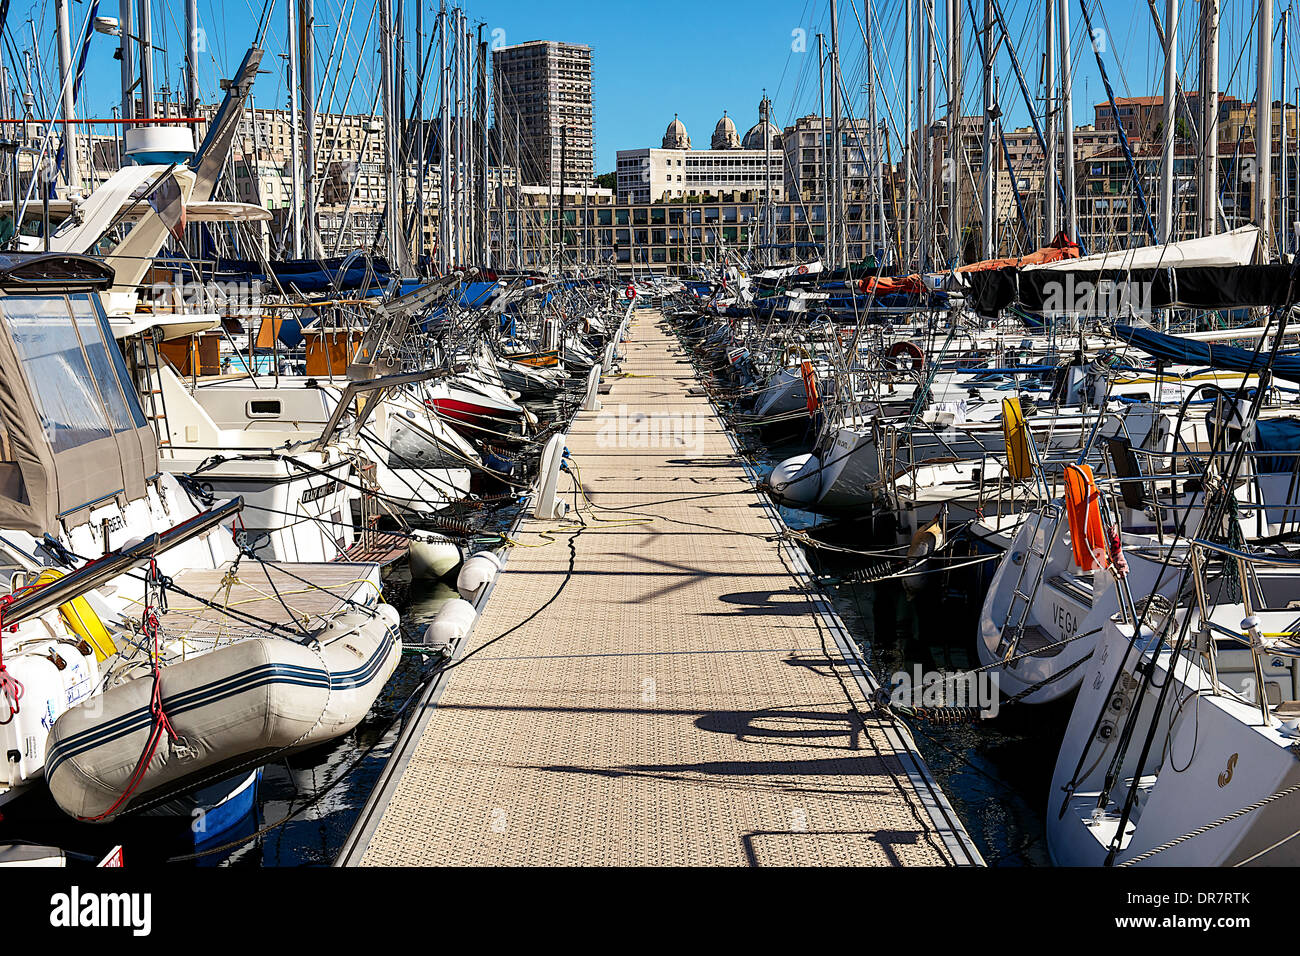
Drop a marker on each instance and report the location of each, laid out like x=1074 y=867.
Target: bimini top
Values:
x=72 y=434
x=50 y=271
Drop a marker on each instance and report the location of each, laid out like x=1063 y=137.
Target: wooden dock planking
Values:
x=667 y=692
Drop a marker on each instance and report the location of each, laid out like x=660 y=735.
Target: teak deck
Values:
x=669 y=692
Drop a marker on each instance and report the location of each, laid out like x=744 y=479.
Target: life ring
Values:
x=810 y=385
x=915 y=358
x=802 y=270
x=1083 y=512
x=630 y=291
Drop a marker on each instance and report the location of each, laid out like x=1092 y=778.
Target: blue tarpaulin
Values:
x=1171 y=348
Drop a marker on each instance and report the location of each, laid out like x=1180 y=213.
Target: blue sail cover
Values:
x=1278 y=435
x=311 y=275
x=474 y=295
x=1171 y=348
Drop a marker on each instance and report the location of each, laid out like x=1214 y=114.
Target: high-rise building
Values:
x=545 y=87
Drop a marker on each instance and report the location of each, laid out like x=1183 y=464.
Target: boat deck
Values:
x=660 y=685
x=378 y=547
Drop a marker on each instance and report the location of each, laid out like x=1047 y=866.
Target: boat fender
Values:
x=926 y=542
x=929 y=540
x=433 y=556
x=477 y=574
x=591 y=401
x=548 y=504
x=451 y=626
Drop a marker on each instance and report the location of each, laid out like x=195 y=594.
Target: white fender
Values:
x=433 y=556
x=452 y=624
x=592 y=401
x=547 y=504
x=477 y=573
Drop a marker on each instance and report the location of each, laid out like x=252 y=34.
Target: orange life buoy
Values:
x=898 y=350
x=1083 y=510
x=802 y=270
x=630 y=291
x=810 y=386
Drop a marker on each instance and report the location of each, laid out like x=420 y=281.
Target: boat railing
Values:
x=113 y=564
x=1246 y=565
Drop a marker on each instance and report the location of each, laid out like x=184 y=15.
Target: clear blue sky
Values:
x=654 y=59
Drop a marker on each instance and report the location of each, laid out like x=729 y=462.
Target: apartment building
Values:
x=545 y=87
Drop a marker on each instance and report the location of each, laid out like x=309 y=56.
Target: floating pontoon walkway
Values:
x=666 y=693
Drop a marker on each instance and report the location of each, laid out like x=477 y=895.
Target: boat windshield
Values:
x=73 y=368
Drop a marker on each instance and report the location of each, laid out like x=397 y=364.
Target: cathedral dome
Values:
x=754 y=138
x=676 y=136
x=725 y=135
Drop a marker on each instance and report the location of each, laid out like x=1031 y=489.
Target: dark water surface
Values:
x=996 y=772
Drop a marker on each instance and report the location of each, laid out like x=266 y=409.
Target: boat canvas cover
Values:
x=1059 y=249
x=1235 y=248
x=1089 y=292
x=1209 y=272
x=72 y=433
x=1173 y=348
x=1281 y=435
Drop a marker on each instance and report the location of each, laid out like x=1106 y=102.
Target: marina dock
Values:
x=658 y=682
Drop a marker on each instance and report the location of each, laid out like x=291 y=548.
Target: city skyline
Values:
x=693 y=75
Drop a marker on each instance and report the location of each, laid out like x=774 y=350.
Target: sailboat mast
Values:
x=295 y=145
x=909 y=106
x=126 y=15
x=954 y=130
x=422 y=165
x=191 y=56
x=1171 y=117
x=872 y=167
x=837 y=141
x=481 y=111
x=307 y=73
x=1284 y=227
x=519 y=212
x=146 y=59
x=444 y=127
x=822 y=155
x=1071 y=211
x=1049 y=112
x=70 y=170
x=396 y=245
x=1264 y=127
x=1209 y=186
x=989 y=165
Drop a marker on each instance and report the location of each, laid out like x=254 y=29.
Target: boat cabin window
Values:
x=73 y=367
x=263 y=408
